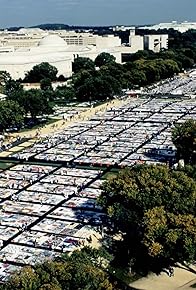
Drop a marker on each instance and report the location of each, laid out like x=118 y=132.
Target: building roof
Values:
x=52 y=40
x=22 y=58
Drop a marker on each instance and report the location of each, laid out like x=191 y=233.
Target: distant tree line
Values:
x=142 y=69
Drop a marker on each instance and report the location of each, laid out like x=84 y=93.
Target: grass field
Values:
x=5 y=165
x=48 y=122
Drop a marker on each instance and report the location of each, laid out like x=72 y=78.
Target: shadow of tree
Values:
x=131 y=288
x=186 y=267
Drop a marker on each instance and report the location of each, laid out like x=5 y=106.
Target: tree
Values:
x=11 y=115
x=137 y=77
x=46 y=84
x=36 y=103
x=184 y=138
x=153 y=208
x=172 y=67
x=143 y=54
x=4 y=77
x=100 y=87
x=116 y=71
x=80 y=270
x=66 y=94
x=87 y=91
x=169 y=236
x=13 y=89
x=26 y=279
x=82 y=63
x=104 y=58
x=41 y=71
x=80 y=77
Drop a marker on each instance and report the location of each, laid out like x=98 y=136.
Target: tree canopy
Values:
x=82 y=63
x=96 y=86
x=4 y=77
x=11 y=114
x=65 y=93
x=143 y=68
x=45 y=84
x=154 y=209
x=35 y=103
x=80 y=270
x=184 y=138
x=41 y=71
x=104 y=58
x=13 y=89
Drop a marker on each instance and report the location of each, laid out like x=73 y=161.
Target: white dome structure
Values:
x=52 y=40
x=52 y=49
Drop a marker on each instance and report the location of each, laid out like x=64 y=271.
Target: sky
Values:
x=94 y=12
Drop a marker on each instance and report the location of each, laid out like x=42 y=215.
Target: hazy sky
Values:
x=94 y=12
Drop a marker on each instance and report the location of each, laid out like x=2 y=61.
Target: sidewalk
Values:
x=182 y=280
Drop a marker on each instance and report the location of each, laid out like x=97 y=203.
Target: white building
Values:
x=22 y=38
x=51 y=49
x=136 y=42
x=54 y=50
x=86 y=38
x=21 y=50
x=122 y=28
x=179 y=26
x=31 y=38
x=149 y=42
x=156 y=42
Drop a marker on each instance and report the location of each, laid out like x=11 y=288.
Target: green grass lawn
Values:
x=43 y=164
x=111 y=173
x=48 y=122
x=5 y=165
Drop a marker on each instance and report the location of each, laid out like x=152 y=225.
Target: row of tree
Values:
x=143 y=68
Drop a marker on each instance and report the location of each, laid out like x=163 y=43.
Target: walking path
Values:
x=61 y=124
x=182 y=280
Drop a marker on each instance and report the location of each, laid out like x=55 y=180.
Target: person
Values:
x=171 y=270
